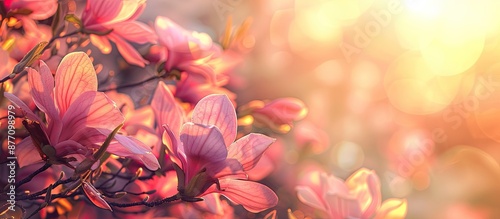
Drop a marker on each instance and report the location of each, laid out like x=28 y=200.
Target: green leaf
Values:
x=38 y=137
x=48 y=195
x=21 y=11
x=29 y=58
x=97 y=155
x=74 y=20
x=98 y=33
x=86 y=164
x=56 y=20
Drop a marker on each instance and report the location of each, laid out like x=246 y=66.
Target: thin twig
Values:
x=30 y=177
x=133 y=84
x=148 y=204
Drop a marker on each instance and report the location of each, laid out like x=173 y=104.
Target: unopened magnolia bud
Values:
x=94 y=196
x=278 y=114
x=119 y=194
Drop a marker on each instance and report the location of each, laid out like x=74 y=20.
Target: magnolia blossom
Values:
x=118 y=16
x=203 y=65
x=358 y=197
x=168 y=111
x=208 y=159
x=37 y=10
x=185 y=50
x=78 y=117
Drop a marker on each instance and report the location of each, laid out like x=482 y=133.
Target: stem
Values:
x=6 y=117
x=36 y=194
x=59 y=37
x=150 y=176
x=10 y=76
x=30 y=177
x=148 y=204
x=133 y=84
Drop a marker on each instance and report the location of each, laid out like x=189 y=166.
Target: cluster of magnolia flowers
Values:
x=79 y=145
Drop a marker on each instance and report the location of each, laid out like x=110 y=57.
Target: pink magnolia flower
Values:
x=38 y=10
x=185 y=50
x=78 y=117
x=209 y=159
x=203 y=65
x=358 y=197
x=118 y=16
x=168 y=111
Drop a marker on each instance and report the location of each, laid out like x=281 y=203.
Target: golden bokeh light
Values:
x=348 y=156
x=446 y=57
x=413 y=87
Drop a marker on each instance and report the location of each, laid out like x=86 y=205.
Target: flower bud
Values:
x=94 y=196
x=278 y=114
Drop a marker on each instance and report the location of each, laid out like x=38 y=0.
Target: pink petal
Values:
x=248 y=149
x=94 y=196
x=130 y=9
x=141 y=5
x=172 y=143
x=342 y=207
x=70 y=147
x=24 y=108
x=217 y=110
x=271 y=215
x=311 y=177
x=201 y=68
x=98 y=11
x=171 y=35
x=191 y=89
x=253 y=196
x=333 y=185
x=75 y=75
x=42 y=90
x=133 y=148
x=393 y=208
x=135 y=32
x=202 y=143
x=90 y=137
x=365 y=185
x=128 y=52
x=307 y=196
x=262 y=169
x=102 y=43
x=26 y=153
x=41 y=10
x=211 y=203
x=283 y=110
x=229 y=168
x=167 y=110
x=91 y=109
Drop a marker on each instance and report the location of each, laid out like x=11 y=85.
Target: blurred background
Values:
x=408 y=88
